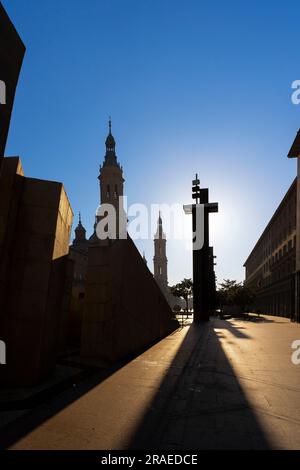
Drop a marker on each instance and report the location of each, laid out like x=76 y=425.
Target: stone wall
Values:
x=125 y=309
x=35 y=226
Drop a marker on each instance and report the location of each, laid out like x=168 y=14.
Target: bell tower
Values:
x=111 y=174
x=160 y=258
x=80 y=239
x=111 y=184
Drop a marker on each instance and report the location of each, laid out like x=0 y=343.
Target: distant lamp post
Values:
x=202 y=280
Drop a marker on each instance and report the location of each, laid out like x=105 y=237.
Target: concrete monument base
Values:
x=125 y=309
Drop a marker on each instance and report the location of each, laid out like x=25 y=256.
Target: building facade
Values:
x=124 y=309
x=111 y=183
x=270 y=267
x=295 y=153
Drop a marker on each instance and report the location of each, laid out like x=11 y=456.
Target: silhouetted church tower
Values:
x=80 y=239
x=111 y=174
x=160 y=257
x=111 y=180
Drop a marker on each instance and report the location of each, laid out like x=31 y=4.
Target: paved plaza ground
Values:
x=227 y=384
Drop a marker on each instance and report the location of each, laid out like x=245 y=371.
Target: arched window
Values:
x=108 y=191
x=116 y=194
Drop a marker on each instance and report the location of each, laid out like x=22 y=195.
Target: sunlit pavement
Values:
x=225 y=384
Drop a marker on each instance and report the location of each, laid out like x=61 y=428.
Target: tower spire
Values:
x=110 y=144
x=111 y=183
x=80 y=233
x=160 y=257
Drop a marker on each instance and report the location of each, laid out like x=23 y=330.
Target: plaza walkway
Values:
x=227 y=384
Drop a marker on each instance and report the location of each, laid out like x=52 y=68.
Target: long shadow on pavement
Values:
x=200 y=403
x=48 y=404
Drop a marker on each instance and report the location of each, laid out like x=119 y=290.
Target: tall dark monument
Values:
x=202 y=255
x=11 y=57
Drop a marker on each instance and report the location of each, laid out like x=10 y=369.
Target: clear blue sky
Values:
x=191 y=86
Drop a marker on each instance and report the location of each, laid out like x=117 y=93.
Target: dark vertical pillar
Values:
x=197 y=276
x=203 y=259
x=201 y=266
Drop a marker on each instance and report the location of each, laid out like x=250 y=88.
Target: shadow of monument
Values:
x=235 y=330
x=47 y=403
x=200 y=403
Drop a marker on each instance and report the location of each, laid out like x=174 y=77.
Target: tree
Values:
x=244 y=297
x=235 y=293
x=183 y=290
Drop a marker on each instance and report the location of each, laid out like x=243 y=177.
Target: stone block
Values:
x=34 y=268
x=125 y=309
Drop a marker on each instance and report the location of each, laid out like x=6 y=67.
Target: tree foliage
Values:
x=183 y=290
x=234 y=293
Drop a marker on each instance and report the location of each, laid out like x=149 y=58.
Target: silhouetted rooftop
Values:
x=295 y=148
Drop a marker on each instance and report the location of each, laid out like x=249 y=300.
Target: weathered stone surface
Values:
x=35 y=226
x=125 y=309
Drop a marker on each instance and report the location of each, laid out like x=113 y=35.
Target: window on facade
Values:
x=116 y=193
x=108 y=191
